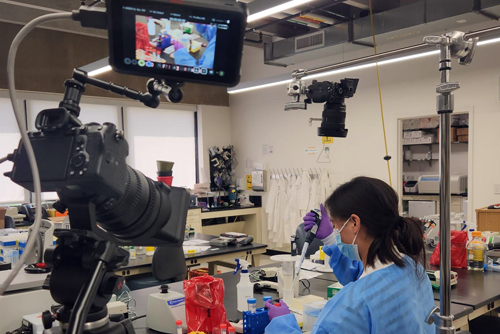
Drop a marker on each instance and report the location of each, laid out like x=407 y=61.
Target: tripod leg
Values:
x=86 y=297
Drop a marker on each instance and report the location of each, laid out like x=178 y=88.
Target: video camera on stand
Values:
x=109 y=202
x=332 y=94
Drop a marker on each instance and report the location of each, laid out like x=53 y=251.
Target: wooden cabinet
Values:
x=488 y=219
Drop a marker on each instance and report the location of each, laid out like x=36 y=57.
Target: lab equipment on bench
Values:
x=43 y=240
x=252 y=305
x=411 y=187
x=311 y=313
x=311 y=234
x=421 y=208
x=434 y=277
x=429 y=184
x=288 y=288
x=165 y=308
x=244 y=289
x=256 y=322
x=178 y=324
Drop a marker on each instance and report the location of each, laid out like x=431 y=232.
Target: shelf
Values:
x=428 y=160
x=453 y=143
x=421 y=129
x=430 y=129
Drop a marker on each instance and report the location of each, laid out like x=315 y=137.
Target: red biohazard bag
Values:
x=205 y=309
x=458 y=250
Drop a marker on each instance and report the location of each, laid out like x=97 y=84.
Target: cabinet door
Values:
x=488 y=221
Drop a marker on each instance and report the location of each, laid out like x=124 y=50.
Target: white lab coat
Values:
x=295 y=219
x=314 y=201
x=280 y=227
x=270 y=207
x=304 y=193
x=325 y=188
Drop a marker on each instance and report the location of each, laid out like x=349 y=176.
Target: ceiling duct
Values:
x=416 y=19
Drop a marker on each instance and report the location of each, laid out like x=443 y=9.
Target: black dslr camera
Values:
x=85 y=163
x=333 y=95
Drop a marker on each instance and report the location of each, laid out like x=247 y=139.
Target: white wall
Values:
x=214 y=129
x=408 y=90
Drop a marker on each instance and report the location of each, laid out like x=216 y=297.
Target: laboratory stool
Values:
x=168 y=266
x=485 y=324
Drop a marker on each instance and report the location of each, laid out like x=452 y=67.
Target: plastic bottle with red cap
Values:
x=223 y=328
x=231 y=330
x=178 y=323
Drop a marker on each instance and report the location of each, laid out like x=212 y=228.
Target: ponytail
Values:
x=376 y=203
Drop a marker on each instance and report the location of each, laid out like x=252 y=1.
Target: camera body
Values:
x=329 y=92
x=86 y=165
x=77 y=161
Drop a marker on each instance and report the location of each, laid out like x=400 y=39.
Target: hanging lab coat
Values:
x=270 y=207
x=325 y=188
x=277 y=211
x=314 y=195
x=287 y=221
x=283 y=199
x=304 y=193
x=295 y=219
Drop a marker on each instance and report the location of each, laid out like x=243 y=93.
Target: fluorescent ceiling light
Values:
x=352 y=68
x=99 y=71
x=277 y=9
x=277 y=83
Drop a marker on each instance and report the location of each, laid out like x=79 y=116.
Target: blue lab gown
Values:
x=345 y=269
x=391 y=300
x=183 y=58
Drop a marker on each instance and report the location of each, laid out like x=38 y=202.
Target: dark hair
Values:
x=376 y=204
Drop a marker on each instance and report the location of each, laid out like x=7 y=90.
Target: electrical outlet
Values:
x=496 y=188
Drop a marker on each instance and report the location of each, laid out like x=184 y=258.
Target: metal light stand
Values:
x=451 y=45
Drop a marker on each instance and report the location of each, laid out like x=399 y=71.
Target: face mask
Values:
x=351 y=251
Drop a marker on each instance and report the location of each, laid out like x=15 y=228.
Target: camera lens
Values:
x=142 y=211
x=333 y=120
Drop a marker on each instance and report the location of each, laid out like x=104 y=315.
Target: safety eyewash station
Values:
x=160 y=171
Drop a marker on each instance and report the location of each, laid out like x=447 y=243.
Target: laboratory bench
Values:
x=213 y=256
x=479 y=290
x=318 y=287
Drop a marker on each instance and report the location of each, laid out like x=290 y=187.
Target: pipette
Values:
x=311 y=234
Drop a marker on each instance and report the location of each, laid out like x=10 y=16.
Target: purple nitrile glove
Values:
x=276 y=311
x=325 y=226
x=178 y=45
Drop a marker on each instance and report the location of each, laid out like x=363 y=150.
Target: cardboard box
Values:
x=3 y=211
x=453 y=135
x=426 y=140
x=407 y=141
x=463 y=138
x=462 y=132
x=407 y=134
x=417 y=134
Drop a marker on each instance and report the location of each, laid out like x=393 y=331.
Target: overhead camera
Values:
x=332 y=94
x=110 y=203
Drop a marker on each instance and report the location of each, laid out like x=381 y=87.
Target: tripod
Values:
x=83 y=279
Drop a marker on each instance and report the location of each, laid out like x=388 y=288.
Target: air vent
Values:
x=311 y=41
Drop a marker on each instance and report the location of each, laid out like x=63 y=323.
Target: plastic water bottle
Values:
x=476 y=252
x=178 y=324
x=133 y=254
x=223 y=329
x=231 y=330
